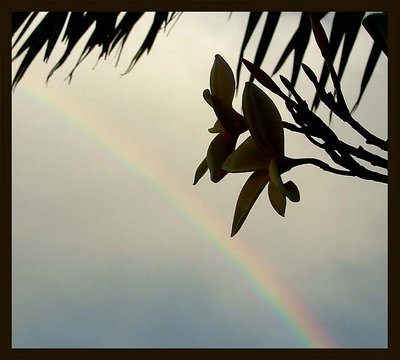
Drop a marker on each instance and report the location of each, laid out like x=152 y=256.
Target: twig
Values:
x=291 y=163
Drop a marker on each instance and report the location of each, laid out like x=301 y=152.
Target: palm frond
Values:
x=107 y=34
x=254 y=17
x=47 y=31
x=345 y=27
x=159 y=19
x=371 y=63
x=269 y=29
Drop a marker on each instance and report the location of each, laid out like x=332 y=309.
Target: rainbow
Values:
x=260 y=276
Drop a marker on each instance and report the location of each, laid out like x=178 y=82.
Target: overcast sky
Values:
x=114 y=247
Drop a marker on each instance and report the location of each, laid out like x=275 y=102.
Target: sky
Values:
x=113 y=246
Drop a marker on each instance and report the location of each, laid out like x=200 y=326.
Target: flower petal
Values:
x=217 y=127
x=222 y=81
x=263 y=120
x=276 y=178
x=253 y=187
x=277 y=199
x=219 y=149
x=207 y=97
x=247 y=157
x=230 y=119
x=201 y=170
x=288 y=189
x=293 y=191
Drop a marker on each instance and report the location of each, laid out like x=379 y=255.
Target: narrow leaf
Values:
x=271 y=23
x=321 y=38
x=18 y=19
x=78 y=24
x=123 y=30
x=376 y=25
x=369 y=69
x=263 y=78
x=55 y=33
x=254 y=17
x=159 y=19
x=34 y=43
x=310 y=74
x=298 y=43
x=345 y=26
x=291 y=89
x=354 y=25
x=251 y=190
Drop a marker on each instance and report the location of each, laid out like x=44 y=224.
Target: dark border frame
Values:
x=393 y=9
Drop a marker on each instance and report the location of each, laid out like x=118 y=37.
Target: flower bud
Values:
x=222 y=81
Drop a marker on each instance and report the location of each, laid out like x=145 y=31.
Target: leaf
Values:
x=263 y=120
x=254 y=17
x=310 y=74
x=219 y=149
x=277 y=199
x=159 y=18
x=54 y=34
x=18 y=19
x=354 y=24
x=247 y=157
x=321 y=38
x=222 y=81
x=369 y=69
x=78 y=24
x=123 y=30
x=345 y=26
x=201 y=170
x=251 y=190
x=48 y=30
x=298 y=43
x=377 y=26
x=269 y=29
x=262 y=77
x=102 y=33
x=292 y=90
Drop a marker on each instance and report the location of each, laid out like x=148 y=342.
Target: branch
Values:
x=291 y=163
x=340 y=152
x=359 y=152
x=340 y=107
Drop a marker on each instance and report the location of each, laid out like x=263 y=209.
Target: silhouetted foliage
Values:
x=107 y=34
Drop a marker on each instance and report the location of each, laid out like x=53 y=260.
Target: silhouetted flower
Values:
x=262 y=153
x=229 y=125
